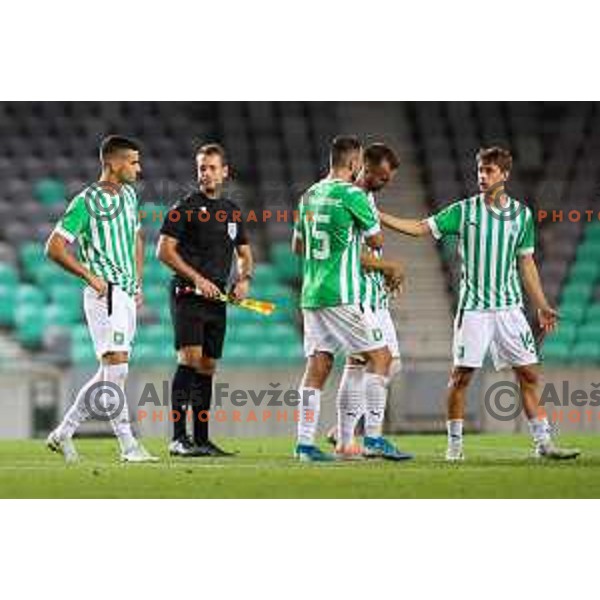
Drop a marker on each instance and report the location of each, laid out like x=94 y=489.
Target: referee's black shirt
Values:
x=208 y=231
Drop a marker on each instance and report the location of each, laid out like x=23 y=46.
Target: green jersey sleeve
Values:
x=446 y=222
x=363 y=212
x=75 y=219
x=526 y=244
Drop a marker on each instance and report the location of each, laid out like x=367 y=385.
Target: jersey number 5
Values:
x=324 y=250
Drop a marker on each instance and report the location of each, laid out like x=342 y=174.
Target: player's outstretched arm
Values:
x=532 y=283
x=57 y=251
x=410 y=227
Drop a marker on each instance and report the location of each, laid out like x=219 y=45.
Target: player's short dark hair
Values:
x=341 y=149
x=213 y=149
x=496 y=155
x=377 y=153
x=116 y=143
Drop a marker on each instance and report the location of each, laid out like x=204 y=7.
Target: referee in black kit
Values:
x=199 y=238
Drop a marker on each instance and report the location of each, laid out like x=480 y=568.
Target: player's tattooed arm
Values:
x=410 y=227
x=547 y=316
x=57 y=251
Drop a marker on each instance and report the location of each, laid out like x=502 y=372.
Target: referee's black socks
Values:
x=201 y=407
x=181 y=392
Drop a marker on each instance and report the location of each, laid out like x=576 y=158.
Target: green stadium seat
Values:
x=32 y=256
x=265 y=275
x=573 y=312
x=82 y=350
x=8 y=303
x=589 y=332
x=592 y=232
x=238 y=354
x=287 y=264
x=50 y=191
x=566 y=332
x=47 y=273
x=152 y=354
x=60 y=314
x=30 y=294
x=577 y=292
x=156 y=296
x=8 y=275
x=155 y=273
x=593 y=313
x=156 y=335
x=585 y=270
x=589 y=250
x=556 y=350
x=68 y=295
x=585 y=352
x=29 y=320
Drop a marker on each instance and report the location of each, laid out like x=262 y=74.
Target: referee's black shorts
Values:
x=198 y=322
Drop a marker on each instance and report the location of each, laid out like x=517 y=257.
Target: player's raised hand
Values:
x=548 y=318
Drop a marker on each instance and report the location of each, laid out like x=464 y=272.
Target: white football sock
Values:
x=376 y=395
x=77 y=413
x=350 y=402
x=540 y=430
x=310 y=407
x=455 y=432
x=117 y=374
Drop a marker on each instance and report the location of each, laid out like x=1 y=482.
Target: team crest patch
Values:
x=232 y=230
x=118 y=337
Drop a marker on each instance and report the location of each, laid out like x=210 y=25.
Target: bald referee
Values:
x=200 y=238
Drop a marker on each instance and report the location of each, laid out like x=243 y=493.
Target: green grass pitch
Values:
x=496 y=467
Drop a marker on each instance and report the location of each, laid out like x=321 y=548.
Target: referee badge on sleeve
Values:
x=232 y=230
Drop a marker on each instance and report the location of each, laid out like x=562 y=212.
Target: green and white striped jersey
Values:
x=374 y=293
x=333 y=218
x=490 y=241
x=105 y=226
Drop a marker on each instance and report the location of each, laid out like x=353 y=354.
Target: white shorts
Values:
x=114 y=332
x=386 y=324
x=505 y=333
x=346 y=329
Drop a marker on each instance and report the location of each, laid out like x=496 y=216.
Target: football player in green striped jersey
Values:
x=335 y=218
x=496 y=245
x=103 y=219
x=380 y=166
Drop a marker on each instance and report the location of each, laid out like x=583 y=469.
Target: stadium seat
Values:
x=50 y=191
x=8 y=296
x=29 y=320
x=8 y=275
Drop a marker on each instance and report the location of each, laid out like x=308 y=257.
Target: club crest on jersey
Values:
x=232 y=230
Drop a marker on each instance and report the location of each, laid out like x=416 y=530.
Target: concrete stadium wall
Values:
x=32 y=402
